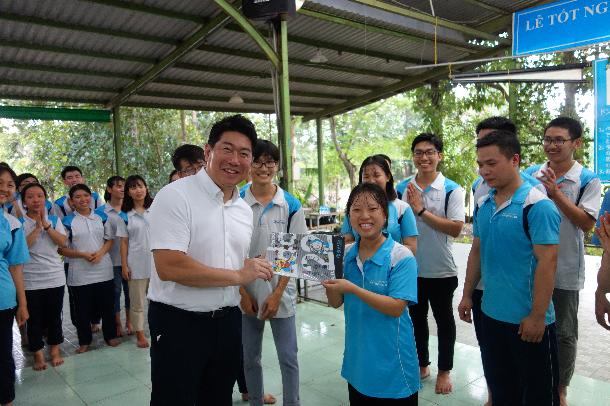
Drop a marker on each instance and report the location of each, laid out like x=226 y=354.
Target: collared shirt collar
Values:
x=379 y=257
x=573 y=174
x=438 y=184
x=278 y=198
x=133 y=212
x=90 y=216
x=520 y=194
x=212 y=188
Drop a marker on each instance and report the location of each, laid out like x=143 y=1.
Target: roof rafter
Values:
x=402 y=86
x=141 y=8
x=417 y=15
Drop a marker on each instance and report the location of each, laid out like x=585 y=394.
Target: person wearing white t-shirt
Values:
x=200 y=232
x=136 y=258
x=43 y=275
x=438 y=203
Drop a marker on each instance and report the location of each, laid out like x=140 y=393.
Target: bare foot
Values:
x=95 y=328
x=56 y=359
x=269 y=399
x=128 y=328
x=563 y=395
x=39 y=362
x=117 y=320
x=82 y=349
x=443 y=383
x=424 y=372
x=142 y=341
x=113 y=342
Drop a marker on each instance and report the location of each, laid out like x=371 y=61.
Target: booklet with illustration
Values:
x=307 y=256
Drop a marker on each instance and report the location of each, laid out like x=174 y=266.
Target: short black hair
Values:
x=377 y=193
x=264 y=147
x=567 y=123
x=128 y=203
x=110 y=183
x=70 y=168
x=236 y=123
x=23 y=177
x=381 y=162
x=5 y=168
x=30 y=186
x=190 y=153
x=171 y=175
x=497 y=123
x=506 y=141
x=78 y=187
x=428 y=137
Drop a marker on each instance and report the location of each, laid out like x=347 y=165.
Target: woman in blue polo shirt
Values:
x=13 y=304
x=380 y=360
x=401 y=224
x=136 y=256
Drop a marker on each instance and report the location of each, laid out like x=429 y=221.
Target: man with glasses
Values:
x=188 y=160
x=200 y=232
x=274 y=210
x=576 y=191
x=438 y=203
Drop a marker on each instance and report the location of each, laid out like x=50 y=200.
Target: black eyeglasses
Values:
x=268 y=164
x=429 y=153
x=555 y=141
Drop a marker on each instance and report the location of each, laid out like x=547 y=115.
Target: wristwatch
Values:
x=421 y=212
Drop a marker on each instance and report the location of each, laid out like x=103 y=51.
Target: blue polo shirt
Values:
x=380 y=359
x=13 y=251
x=507 y=235
x=401 y=222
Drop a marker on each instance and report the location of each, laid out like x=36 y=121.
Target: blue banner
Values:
x=561 y=25
x=602 y=120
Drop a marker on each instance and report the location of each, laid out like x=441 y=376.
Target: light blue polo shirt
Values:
x=401 y=222
x=401 y=187
x=583 y=188
x=13 y=251
x=508 y=265
x=380 y=359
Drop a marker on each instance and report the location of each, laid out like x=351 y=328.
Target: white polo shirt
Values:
x=136 y=228
x=583 y=188
x=88 y=234
x=115 y=222
x=274 y=218
x=189 y=215
x=444 y=198
x=45 y=269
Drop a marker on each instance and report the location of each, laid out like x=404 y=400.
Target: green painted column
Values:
x=116 y=121
x=320 y=146
x=284 y=119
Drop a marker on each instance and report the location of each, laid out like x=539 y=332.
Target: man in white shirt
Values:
x=200 y=236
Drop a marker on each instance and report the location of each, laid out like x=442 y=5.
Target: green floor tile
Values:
x=107 y=386
x=136 y=397
x=64 y=398
x=331 y=385
x=39 y=384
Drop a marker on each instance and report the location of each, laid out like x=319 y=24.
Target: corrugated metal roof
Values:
x=90 y=50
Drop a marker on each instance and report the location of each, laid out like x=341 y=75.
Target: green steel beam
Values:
x=417 y=15
x=248 y=100
x=284 y=99
x=72 y=100
x=85 y=28
x=504 y=22
x=341 y=48
x=55 y=113
x=177 y=82
x=302 y=62
x=249 y=29
x=79 y=52
x=186 y=46
x=399 y=87
x=320 y=147
x=45 y=85
x=241 y=88
x=118 y=147
x=232 y=109
x=385 y=31
x=265 y=75
x=70 y=71
x=141 y=8
x=487 y=6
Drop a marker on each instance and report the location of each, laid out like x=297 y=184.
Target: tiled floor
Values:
x=121 y=376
